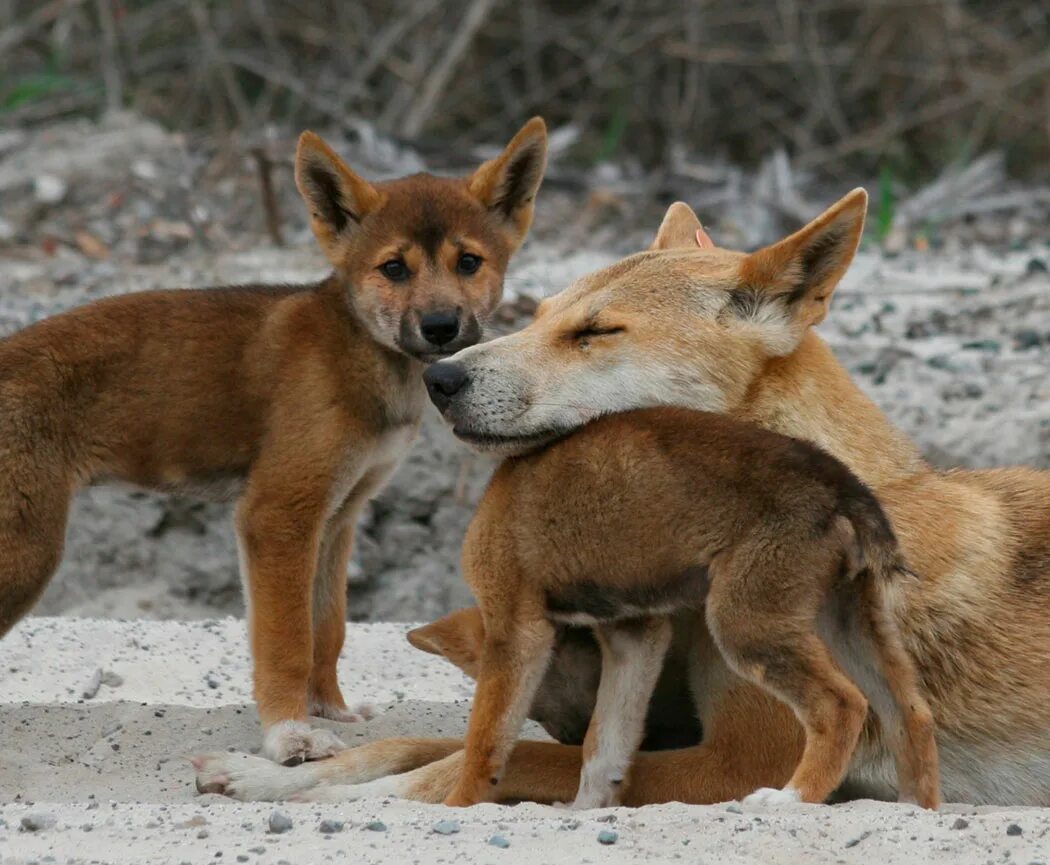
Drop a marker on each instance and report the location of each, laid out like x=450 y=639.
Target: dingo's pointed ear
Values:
x=336 y=196
x=458 y=637
x=681 y=229
x=508 y=184
x=803 y=270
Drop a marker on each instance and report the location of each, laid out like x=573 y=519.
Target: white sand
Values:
x=108 y=772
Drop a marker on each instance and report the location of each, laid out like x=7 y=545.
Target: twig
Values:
x=269 y=199
x=438 y=77
x=43 y=15
x=108 y=55
x=874 y=138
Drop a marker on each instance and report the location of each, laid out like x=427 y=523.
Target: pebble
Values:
x=853 y=842
x=1013 y=830
x=91 y=688
x=279 y=822
x=330 y=827
x=37 y=822
x=961 y=823
x=734 y=808
x=446 y=827
x=607 y=836
x=376 y=826
x=49 y=189
x=499 y=841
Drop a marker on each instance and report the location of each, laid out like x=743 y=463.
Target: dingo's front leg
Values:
x=632 y=658
x=329 y=620
x=514 y=659
x=280 y=522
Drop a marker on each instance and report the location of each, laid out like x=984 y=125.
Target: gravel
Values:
x=278 y=823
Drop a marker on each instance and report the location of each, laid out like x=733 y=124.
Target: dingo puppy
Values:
x=297 y=401
x=713 y=329
x=639 y=515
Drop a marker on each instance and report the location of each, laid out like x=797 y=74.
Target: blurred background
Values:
x=900 y=86
x=148 y=144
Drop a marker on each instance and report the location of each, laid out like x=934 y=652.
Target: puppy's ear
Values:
x=337 y=198
x=681 y=229
x=802 y=271
x=458 y=637
x=507 y=185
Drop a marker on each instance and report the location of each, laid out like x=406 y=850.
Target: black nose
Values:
x=439 y=328
x=444 y=380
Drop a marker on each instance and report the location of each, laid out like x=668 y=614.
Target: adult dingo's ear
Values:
x=507 y=185
x=802 y=271
x=337 y=197
x=681 y=229
x=458 y=637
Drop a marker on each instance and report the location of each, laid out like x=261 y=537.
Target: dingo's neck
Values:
x=809 y=395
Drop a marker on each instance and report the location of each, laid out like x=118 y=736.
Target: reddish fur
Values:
x=303 y=398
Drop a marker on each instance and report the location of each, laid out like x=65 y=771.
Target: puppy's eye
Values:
x=469 y=263
x=395 y=270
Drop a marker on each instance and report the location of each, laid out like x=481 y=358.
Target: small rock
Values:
x=1036 y=265
x=991 y=345
x=111 y=679
x=446 y=827
x=279 y=822
x=734 y=808
x=1013 y=830
x=49 y=189
x=499 y=841
x=91 y=688
x=853 y=842
x=376 y=826
x=1027 y=338
x=607 y=836
x=330 y=827
x=143 y=169
x=961 y=823
x=37 y=822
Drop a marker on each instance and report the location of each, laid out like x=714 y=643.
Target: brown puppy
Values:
x=297 y=401
x=636 y=516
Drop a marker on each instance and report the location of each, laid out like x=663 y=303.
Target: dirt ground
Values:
x=104 y=779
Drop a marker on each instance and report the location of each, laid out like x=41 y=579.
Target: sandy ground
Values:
x=105 y=781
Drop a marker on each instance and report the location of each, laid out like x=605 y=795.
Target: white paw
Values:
x=349 y=715
x=248 y=778
x=381 y=788
x=292 y=742
x=773 y=796
x=586 y=800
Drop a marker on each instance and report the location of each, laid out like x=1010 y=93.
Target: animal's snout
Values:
x=444 y=380
x=440 y=327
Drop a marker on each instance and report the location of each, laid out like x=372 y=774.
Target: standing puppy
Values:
x=786 y=555
x=296 y=401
